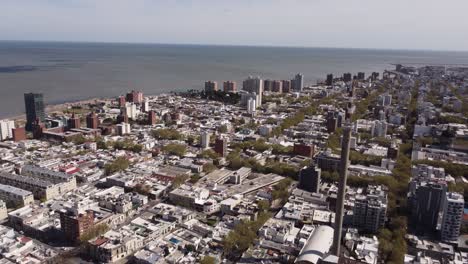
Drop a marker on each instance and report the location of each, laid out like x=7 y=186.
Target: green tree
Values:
x=175 y=149
x=119 y=164
x=208 y=260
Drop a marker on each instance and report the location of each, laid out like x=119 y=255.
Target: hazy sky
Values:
x=395 y=24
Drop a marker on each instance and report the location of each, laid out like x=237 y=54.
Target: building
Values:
x=130 y=110
x=332 y=122
x=254 y=85
x=135 y=97
x=41 y=189
x=427 y=203
x=329 y=80
x=92 y=121
x=327 y=161
x=347 y=77
x=15 y=197
x=35 y=109
x=268 y=85
x=3 y=211
x=251 y=106
x=229 y=87
x=67 y=182
x=152 y=118
x=305 y=150
x=6 y=129
x=121 y=101
x=74 y=122
x=74 y=225
x=19 y=134
x=361 y=76
x=277 y=86
x=122 y=118
x=286 y=86
x=385 y=99
x=317 y=246
x=370 y=209
x=221 y=146
x=379 y=128
x=299 y=82
x=145 y=107
x=309 y=179
x=123 y=129
x=205 y=140
x=211 y=86
x=453 y=215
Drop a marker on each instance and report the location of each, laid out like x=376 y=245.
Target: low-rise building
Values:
x=15 y=197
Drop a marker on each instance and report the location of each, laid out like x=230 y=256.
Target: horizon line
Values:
x=228 y=45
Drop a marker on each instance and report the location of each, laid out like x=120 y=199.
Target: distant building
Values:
x=347 y=77
x=268 y=85
x=6 y=129
x=277 y=86
x=332 y=122
x=361 y=75
x=229 y=87
x=19 y=134
x=3 y=211
x=251 y=105
x=254 y=85
x=211 y=86
x=221 y=146
x=35 y=109
x=123 y=129
x=75 y=225
x=74 y=122
x=205 y=140
x=286 y=86
x=151 y=118
x=122 y=118
x=309 y=179
x=379 y=128
x=329 y=80
x=453 y=214
x=121 y=101
x=299 y=82
x=135 y=97
x=92 y=121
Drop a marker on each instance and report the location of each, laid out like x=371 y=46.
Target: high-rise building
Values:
x=121 y=101
x=370 y=209
x=35 y=109
x=151 y=118
x=74 y=122
x=251 y=106
x=211 y=86
x=286 y=86
x=135 y=97
x=221 y=147
x=145 y=106
x=329 y=81
x=309 y=179
x=361 y=75
x=344 y=163
x=254 y=85
x=92 y=121
x=75 y=225
x=302 y=149
x=6 y=129
x=298 y=82
x=123 y=129
x=332 y=122
x=277 y=86
x=268 y=85
x=122 y=118
x=427 y=203
x=229 y=87
x=205 y=140
x=347 y=77
x=452 y=217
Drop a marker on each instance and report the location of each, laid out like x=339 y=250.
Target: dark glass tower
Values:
x=34 y=104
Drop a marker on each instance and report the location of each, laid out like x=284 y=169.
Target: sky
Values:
x=377 y=24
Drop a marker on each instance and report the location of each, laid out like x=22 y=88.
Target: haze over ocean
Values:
x=75 y=71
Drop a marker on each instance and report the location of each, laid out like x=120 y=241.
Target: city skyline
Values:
x=415 y=25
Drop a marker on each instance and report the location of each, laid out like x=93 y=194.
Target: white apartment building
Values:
x=6 y=127
x=452 y=219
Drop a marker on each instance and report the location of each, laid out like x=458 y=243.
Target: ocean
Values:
x=75 y=71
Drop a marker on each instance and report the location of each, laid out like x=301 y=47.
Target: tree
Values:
x=179 y=180
x=209 y=167
x=263 y=205
x=93 y=232
x=119 y=164
x=208 y=260
x=167 y=133
x=175 y=149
